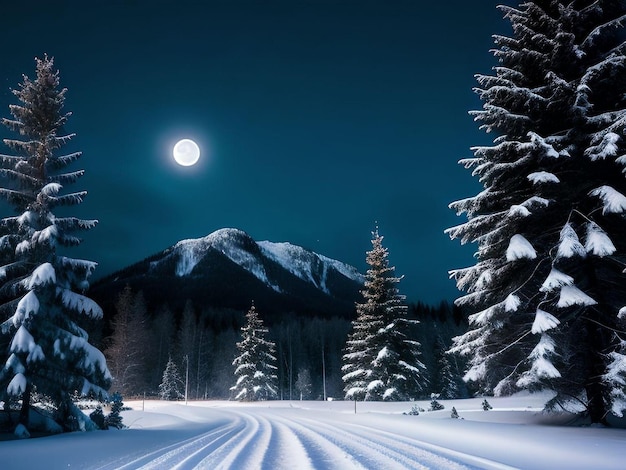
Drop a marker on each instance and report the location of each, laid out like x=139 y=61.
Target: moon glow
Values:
x=186 y=152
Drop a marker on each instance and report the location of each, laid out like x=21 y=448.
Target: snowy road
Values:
x=258 y=438
x=328 y=435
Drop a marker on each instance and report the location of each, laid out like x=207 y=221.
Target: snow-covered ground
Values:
x=328 y=435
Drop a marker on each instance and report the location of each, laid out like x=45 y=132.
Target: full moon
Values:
x=186 y=152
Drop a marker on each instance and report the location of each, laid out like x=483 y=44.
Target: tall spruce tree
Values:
x=446 y=381
x=381 y=362
x=255 y=367
x=48 y=352
x=547 y=295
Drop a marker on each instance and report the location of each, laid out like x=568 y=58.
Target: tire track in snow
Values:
x=245 y=450
x=327 y=453
x=286 y=448
x=366 y=453
x=248 y=439
x=449 y=457
x=284 y=444
x=171 y=455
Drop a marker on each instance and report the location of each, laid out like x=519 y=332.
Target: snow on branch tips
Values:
x=80 y=303
x=93 y=359
x=27 y=217
x=42 y=275
x=512 y=303
x=542 y=367
x=22 y=247
x=572 y=295
x=616 y=376
x=475 y=373
x=77 y=264
x=47 y=235
x=17 y=385
x=555 y=280
x=518 y=211
x=543 y=321
x=51 y=189
x=547 y=149
x=598 y=242
x=614 y=201
x=569 y=244
x=617 y=368
x=606 y=148
x=27 y=306
x=520 y=248
x=23 y=342
x=542 y=177
x=544 y=347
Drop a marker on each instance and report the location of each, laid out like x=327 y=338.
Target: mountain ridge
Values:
x=227 y=269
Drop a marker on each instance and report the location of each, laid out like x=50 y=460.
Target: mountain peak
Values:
x=227 y=240
x=227 y=268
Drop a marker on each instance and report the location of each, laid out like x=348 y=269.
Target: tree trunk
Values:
x=596 y=406
x=595 y=389
x=25 y=410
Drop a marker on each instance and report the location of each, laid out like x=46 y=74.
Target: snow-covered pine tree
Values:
x=255 y=367
x=446 y=379
x=172 y=385
x=380 y=361
x=303 y=383
x=41 y=292
x=114 y=419
x=547 y=295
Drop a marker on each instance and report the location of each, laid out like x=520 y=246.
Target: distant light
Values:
x=186 y=152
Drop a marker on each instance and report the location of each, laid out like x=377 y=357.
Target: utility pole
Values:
x=323 y=369
x=186 y=378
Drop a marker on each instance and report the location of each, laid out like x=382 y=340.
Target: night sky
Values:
x=315 y=119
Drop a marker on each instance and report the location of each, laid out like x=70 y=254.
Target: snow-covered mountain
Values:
x=228 y=269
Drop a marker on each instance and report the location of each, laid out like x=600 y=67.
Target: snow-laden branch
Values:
x=64 y=160
x=80 y=303
x=67 y=178
x=68 y=199
x=598 y=242
x=597 y=31
x=520 y=248
x=613 y=201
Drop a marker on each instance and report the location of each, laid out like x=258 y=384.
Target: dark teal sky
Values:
x=315 y=119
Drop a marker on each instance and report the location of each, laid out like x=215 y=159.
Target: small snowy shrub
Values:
x=97 y=416
x=454 y=414
x=434 y=404
x=486 y=405
x=415 y=411
x=21 y=432
x=113 y=419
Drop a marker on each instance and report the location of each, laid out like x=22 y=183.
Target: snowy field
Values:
x=328 y=435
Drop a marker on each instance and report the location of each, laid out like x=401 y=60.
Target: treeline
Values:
x=139 y=340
